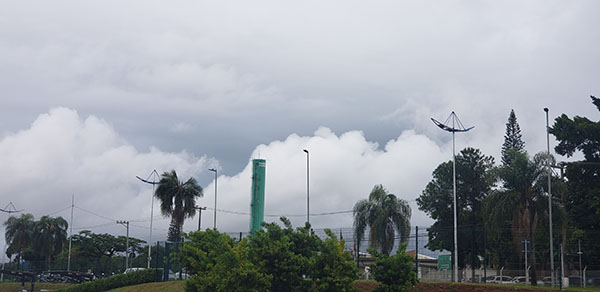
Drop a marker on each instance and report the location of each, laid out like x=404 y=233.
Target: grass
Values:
x=16 y=286
x=171 y=286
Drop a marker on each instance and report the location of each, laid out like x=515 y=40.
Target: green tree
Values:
x=18 y=234
x=512 y=138
x=394 y=273
x=582 y=201
x=285 y=254
x=333 y=269
x=50 y=236
x=385 y=215
x=475 y=176
x=523 y=197
x=217 y=263
x=178 y=200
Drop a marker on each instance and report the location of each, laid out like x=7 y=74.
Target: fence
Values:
x=484 y=256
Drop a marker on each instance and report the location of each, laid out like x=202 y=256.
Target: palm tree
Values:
x=384 y=214
x=178 y=200
x=521 y=199
x=18 y=234
x=50 y=236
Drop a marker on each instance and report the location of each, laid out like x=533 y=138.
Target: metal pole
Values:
x=580 y=253
x=417 y=251
x=526 y=266
x=307 y=187
x=154 y=174
x=200 y=216
x=454 y=191
x=71 y=236
x=126 y=224
x=215 y=213
x=549 y=197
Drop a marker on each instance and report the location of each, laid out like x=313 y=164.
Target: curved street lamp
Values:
x=457 y=126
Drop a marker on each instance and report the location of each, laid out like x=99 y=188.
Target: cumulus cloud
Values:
x=63 y=154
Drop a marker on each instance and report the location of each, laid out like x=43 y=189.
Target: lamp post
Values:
x=215 y=214
x=153 y=174
x=456 y=127
x=549 y=196
x=200 y=209
x=307 y=186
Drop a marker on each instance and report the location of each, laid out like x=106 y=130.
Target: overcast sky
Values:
x=94 y=93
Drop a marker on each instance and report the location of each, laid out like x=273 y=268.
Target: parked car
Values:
x=502 y=280
x=488 y=279
x=548 y=281
x=521 y=280
x=131 y=270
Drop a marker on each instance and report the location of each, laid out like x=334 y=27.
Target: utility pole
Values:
x=307 y=186
x=10 y=209
x=200 y=216
x=580 y=253
x=126 y=224
x=71 y=236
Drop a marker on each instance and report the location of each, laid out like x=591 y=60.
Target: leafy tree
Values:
x=50 y=236
x=333 y=269
x=285 y=254
x=18 y=234
x=394 y=273
x=512 y=138
x=384 y=214
x=217 y=263
x=178 y=200
x=582 y=201
x=475 y=176
x=97 y=251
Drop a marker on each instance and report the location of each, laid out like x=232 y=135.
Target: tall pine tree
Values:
x=512 y=139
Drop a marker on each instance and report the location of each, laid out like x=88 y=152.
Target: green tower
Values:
x=257 y=205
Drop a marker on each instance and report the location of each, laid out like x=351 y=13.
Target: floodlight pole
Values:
x=126 y=224
x=307 y=186
x=215 y=214
x=154 y=174
x=455 y=123
x=549 y=196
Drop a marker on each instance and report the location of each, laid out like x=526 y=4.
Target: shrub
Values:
x=333 y=269
x=395 y=273
x=116 y=281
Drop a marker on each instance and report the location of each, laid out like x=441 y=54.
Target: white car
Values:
x=131 y=270
x=502 y=280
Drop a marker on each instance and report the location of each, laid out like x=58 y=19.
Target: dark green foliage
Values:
x=385 y=215
x=120 y=280
x=333 y=270
x=178 y=200
x=285 y=254
x=394 y=273
x=582 y=199
x=273 y=259
x=475 y=176
x=512 y=138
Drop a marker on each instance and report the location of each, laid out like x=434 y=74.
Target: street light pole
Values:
x=215 y=214
x=307 y=186
x=549 y=196
x=126 y=224
x=456 y=127
x=153 y=174
x=200 y=216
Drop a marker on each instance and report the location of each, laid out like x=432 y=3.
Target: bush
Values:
x=116 y=281
x=333 y=268
x=395 y=273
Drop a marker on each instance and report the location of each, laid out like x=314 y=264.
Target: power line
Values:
x=284 y=215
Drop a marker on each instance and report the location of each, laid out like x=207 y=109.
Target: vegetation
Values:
x=394 y=273
x=274 y=259
x=385 y=215
x=35 y=241
x=120 y=280
x=178 y=200
x=475 y=177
